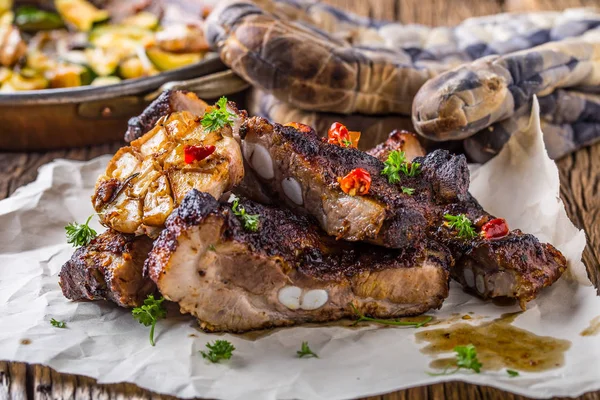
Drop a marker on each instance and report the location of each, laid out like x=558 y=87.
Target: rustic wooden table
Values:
x=580 y=184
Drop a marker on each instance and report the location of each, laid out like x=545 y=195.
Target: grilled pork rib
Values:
x=144 y=182
x=302 y=171
x=404 y=141
x=286 y=272
x=109 y=268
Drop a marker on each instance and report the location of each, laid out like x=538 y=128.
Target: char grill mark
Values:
x=109 y=268
x=286 y=158
x=287 y=272
x=168 y=102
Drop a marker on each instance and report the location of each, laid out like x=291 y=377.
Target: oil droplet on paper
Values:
x=25 y=341
x=499 y=345
x=593 y=329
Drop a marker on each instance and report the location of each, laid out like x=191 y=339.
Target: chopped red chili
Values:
x=495 y=229
x=338 y=134
x=357 y=182
x=197 y=153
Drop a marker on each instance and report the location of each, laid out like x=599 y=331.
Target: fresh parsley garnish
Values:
x=362 y=317
x=218 y=350
x=397 y=163
x=211 y=247
x=407 y=190
x=219 y=117
x=80 y=234
x=149 y=313
x=461 y=224
x=305 y=351
x=58 y=324
x=250 y=221
x=512 y=373
x=466 y=358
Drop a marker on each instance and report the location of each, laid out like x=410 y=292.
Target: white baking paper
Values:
x=104 y=342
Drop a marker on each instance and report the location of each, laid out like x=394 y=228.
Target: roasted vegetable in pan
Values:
x=76 y=43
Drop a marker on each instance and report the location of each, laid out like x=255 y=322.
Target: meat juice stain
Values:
x=499 y=345
x=593 y=329
x=25 y=341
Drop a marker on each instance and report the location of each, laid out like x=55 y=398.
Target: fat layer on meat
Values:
x=287 y=272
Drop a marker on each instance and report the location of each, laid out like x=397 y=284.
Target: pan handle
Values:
x=207 y=87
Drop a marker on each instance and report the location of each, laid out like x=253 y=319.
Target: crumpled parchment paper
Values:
x=104 y=342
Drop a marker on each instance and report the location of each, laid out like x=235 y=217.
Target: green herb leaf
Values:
x=462 y=225
x=512 y=373
x=362 y=317
x=211 y=247
x=250 y=221
x=407 y=190
x=149 y=313
x=58 y=324
x=466 y=358
x=305 y=351
x=218 y=350
x=219 y=117
x=347 y=143
x=397 y=163
x=80 y=234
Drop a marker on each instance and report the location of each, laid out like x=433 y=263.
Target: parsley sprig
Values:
x=80 y=234
x=58 y=324
x=407 y=190
x=218 y=350
x=250 y=221
x=149 y=313
x=512 y=373
x=461 y=224
x=362 y=317
x=397 y=163
x=305 y=351
x=466 y=358
x=219 y=117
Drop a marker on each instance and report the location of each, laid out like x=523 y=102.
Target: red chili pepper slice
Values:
x=495 y=229
x=197 y=153
x=338 y=134
x=357 y=182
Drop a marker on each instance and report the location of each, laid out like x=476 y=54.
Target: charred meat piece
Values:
x=303 y=171
x=168 y=102
x=144 y=182
x=287 y=271
x=399 y=140
x=109 y=268
x=515 y=265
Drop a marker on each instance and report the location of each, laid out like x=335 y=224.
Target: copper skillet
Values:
x=58 y=118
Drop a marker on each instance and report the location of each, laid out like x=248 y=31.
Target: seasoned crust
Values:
x=109 y=268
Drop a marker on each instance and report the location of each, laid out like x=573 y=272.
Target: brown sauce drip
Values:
x=499 y=345
x=26 y=341
x=593 y=329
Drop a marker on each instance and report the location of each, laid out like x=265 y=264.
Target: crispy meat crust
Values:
x=287 y=249
x=109 y=268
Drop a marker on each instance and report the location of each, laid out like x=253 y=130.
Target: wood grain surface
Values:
x=580 y=185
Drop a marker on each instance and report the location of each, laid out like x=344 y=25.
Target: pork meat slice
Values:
x=303 y=171
x=144 y=182
x=109 y=268
x=300 y=169
x=287 y=272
